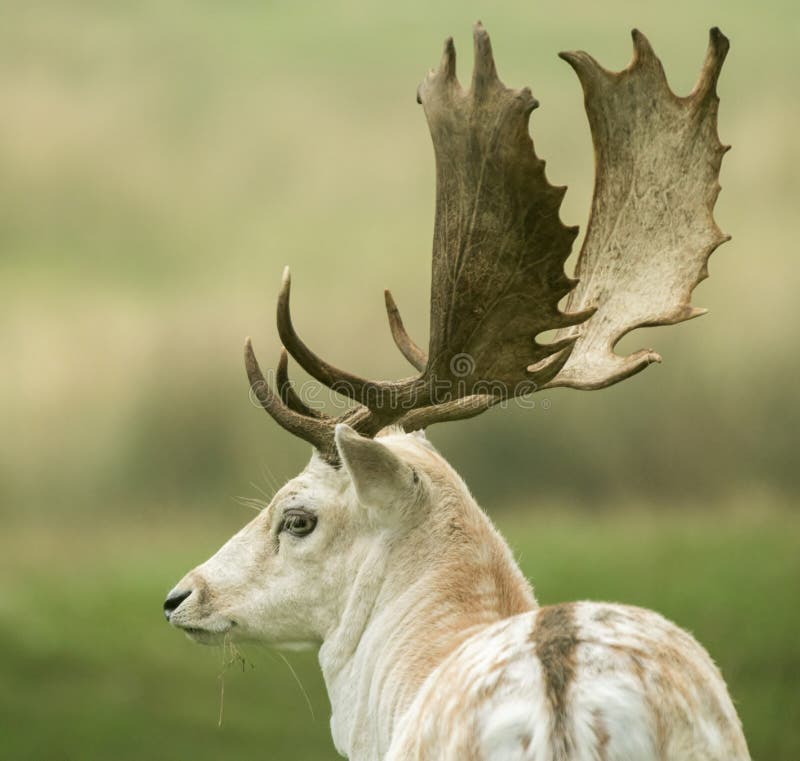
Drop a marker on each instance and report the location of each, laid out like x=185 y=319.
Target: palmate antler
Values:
x=499 y=247
x=652 y=228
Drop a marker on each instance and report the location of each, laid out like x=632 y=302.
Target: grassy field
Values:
x=91 y=671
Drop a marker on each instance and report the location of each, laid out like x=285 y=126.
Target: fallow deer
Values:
x=431 y=642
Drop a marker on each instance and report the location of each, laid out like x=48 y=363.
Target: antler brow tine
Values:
x=315 y=432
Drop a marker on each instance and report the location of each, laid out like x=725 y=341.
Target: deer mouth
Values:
x=206 y=636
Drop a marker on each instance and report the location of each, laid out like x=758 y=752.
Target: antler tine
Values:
x=484 y=72
x=366 y=392
x=404 y=342
x=287 y=392
x=718 y=46
x=316 y=432
x=585 y=66
x=444 y=78
x=458 y=409
x=447 y=66
x=643 y=51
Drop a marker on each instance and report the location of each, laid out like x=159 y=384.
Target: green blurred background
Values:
x=161 y=161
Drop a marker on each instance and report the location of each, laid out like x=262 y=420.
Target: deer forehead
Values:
x=329 y=491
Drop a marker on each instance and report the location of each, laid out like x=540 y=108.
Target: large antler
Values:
x=499 y=247
x=651 y=228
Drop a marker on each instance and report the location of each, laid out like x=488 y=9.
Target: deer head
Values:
x=331 y=537
x=375 y=492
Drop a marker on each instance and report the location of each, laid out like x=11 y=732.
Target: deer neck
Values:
x=409 y=608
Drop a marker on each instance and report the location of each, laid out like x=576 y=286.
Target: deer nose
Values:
x=174 y=599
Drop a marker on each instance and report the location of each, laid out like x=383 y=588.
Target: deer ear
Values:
x=380 y=477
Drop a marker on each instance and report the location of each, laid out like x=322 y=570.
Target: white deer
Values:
x=430 y=639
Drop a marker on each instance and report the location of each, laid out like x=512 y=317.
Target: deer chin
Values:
x=206 y=636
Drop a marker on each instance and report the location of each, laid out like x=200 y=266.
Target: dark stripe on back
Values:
x=555 y=638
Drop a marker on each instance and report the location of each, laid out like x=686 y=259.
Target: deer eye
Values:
x=298 y=522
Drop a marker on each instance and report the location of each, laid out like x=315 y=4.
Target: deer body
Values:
x=576 y=681
x=431 y=642
x=430 y=639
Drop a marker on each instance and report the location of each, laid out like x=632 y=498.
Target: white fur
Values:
x=430 y=639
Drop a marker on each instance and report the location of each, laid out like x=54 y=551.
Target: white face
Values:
x=284 y=578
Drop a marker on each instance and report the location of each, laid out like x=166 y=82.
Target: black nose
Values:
x=173 y=601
